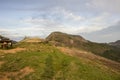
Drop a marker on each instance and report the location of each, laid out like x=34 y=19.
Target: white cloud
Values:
x=5 y=30
x=74 y=17
x=112 y=6
x=96 y=23
x=108 y=34
x=59 y=19
x=55 y=15
x=103 y=20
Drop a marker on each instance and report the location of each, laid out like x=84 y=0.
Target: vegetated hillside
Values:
x=63 y=39
x=67 y=40
x=42 y=61
x=116 y=43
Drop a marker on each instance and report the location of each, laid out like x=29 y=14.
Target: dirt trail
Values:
x=12 y=50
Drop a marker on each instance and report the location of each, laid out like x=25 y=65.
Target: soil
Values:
x=12 y=50
x=16 y=75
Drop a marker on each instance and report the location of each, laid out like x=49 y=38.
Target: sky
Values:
x=95 y=20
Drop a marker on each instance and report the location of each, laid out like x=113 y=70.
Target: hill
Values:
x=116 y=43
x=42 y=61
x=63 y=39
x=75 y=41
x=53 y=59
x=32 y=40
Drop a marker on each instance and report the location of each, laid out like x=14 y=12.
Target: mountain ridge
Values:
x=75 y=41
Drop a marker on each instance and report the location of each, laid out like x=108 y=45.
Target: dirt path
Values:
x=12 y=50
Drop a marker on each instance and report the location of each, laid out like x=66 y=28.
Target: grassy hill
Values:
x=63 y=39
x=42 y=61
x=32 y=40
x=75 y=41
x=58 y=58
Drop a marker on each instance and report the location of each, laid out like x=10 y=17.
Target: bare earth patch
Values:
x=13 y=50
x=16 y=75
x=25 y=71
x=1 y=62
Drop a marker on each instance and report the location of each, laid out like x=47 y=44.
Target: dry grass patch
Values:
x=1 y=62
x=16 y=75
x=92 y=58
x=15 y=50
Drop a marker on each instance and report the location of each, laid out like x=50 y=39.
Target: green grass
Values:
x=101 y=49
x=49 y=63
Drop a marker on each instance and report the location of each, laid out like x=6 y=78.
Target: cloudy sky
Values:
x=95 y=20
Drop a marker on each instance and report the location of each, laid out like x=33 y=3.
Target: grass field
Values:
x=41 y=61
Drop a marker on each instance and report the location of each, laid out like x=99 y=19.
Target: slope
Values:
x=75 y=41
x=116 y=43
x=42 y=61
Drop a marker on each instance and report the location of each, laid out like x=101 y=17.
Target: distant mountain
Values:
x=116 y=43
x=78 y=42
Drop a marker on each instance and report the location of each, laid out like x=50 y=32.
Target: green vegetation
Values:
x=48 y=63
x=75 y=41
x=104 y=50
x=113 y=54
x=48 y=69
